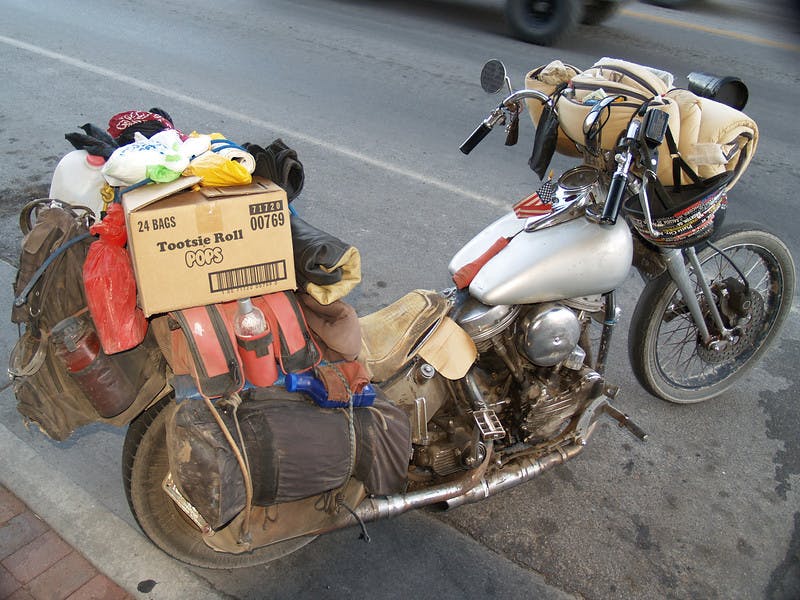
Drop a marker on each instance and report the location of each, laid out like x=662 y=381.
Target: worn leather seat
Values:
x=391 y=336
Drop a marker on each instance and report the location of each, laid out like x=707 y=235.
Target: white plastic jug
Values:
x=77 y=179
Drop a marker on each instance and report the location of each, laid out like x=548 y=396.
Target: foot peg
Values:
x=488 y=424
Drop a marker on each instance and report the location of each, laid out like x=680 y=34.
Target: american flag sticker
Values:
x=538 y=203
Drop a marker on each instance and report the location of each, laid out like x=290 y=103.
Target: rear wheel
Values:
x=667 y=355
x=144 y=467
x=597 y=11
x=543 y=22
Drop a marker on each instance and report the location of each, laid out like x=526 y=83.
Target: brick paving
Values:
x=36 y=564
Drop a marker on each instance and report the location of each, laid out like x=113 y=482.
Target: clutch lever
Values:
x=512 y=130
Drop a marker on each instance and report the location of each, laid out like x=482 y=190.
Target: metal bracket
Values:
x=187 y=507
x=419 y=422
x=599 y=406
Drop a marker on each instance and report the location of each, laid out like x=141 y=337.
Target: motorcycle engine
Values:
x=531 y=366
x=546 y=334
x=530 y=372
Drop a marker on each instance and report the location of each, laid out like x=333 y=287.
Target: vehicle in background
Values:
x=544 y=22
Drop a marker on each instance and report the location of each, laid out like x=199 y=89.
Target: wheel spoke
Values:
x=677 y=336
x=668 y=356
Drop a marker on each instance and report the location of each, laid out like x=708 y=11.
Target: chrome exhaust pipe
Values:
x=524 y=469
x=456 y=494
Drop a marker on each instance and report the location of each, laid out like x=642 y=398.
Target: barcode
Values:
x=231 y=279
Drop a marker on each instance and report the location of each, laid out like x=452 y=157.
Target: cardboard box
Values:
x=192 y=247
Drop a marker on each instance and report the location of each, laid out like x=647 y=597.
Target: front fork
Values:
x=679 y=272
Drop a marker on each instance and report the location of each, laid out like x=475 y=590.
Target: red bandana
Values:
x=121 y=121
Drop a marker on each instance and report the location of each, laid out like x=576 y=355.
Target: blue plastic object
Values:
x=313 y=387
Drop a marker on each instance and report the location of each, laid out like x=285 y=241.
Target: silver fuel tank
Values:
x=570 y=259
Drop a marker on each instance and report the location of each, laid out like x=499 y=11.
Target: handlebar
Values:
x=619 y=181
x=614 y=198
x=630 y=146
x=475 y=138
x=498 y=115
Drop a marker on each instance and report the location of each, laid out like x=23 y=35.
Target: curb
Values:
x=116 y=548
x=108 y=542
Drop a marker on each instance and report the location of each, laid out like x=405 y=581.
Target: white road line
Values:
x=254 y=121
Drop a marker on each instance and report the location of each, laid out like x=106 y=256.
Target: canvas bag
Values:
x=46 y=393
x=637 y=83
x=708 y=136
x=295 y=450
x=204 y=346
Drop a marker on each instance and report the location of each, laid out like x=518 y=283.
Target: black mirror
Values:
x=594 y=121
x=493 y=76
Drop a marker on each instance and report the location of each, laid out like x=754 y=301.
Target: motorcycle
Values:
x=514 y=384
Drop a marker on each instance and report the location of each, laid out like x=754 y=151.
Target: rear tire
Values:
x=144 y=466
x=666 y=354
x=543 y=22
x=597 y=11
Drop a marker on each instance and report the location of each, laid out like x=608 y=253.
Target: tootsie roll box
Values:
x=192 y=247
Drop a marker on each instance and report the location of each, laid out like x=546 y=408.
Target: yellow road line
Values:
x=745 y=37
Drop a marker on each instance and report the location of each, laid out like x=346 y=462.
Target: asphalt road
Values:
x=376 y=97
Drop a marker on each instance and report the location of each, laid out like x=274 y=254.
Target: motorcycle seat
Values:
x=392 y=336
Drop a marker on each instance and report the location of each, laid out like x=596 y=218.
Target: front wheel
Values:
x=667 y=355
x=543 y=22
x=144 y=466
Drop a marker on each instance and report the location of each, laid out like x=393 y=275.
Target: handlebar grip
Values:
x=475 y=138
x=614 y=199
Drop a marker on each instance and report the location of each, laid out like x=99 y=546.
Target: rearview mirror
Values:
x=493 y=76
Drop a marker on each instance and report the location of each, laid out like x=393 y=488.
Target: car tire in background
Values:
x=543 y=22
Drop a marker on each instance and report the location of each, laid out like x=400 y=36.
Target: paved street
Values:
x=376 y=97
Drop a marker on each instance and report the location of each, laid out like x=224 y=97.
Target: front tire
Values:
x=543 y=22
x=666 y=354
x=144 y=467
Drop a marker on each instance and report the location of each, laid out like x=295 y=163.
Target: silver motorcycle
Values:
x=519 y=383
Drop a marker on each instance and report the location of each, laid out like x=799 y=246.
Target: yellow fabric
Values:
x=709 y=135
x=350 y=266
x=545 y=79
x=449 y=350
x=216 y=171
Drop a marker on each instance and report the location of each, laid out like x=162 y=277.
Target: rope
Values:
x=248 y=483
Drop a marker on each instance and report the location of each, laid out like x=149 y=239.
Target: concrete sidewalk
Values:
x=56 y=540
